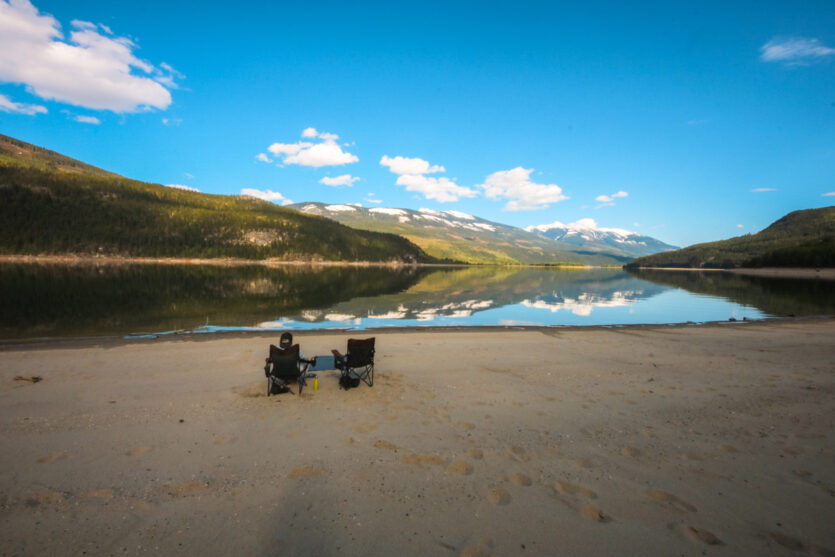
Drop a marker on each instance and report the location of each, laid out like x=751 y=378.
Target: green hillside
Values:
x=51 y=204
x=800 y=239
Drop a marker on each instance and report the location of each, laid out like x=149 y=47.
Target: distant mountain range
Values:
x=459 y=236
x=800 y=239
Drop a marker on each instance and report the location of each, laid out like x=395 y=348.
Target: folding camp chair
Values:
x=358 y=363
x=285 y=366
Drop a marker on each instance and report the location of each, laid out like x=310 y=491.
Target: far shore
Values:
x=685 y=440
x=771 y=272
x=80 y=259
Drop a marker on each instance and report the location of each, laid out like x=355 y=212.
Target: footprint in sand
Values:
x=460 y=467
x=475 y=454
x=364 y=428
x=136 y=451
x=518 y=478
x=423 y=460
x=97 y=494
x=590 y=512
x=695 y=534
x=670 y=500
x=188 y=488
x=574 y=489
x=381 y=444
x=795 y=544
x=467 y=426
x=225 y=440
x=518 y=453
x=484 y=548
x=498 y=496
x=630 y=451
x=52 y=457
x=305 y=472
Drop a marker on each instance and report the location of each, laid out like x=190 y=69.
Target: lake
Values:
x=38 y=301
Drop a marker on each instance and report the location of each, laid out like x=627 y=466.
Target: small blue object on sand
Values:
x=323 y=362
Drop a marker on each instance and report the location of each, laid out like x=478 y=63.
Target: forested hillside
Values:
x=800 y=239
x=51 y=204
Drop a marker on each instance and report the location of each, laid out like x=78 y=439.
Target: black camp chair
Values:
x=285 y=366
x=358 y=363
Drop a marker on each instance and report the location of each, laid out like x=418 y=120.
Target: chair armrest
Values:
x=336 y=354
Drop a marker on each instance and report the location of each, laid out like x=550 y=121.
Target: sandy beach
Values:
x=679 y=440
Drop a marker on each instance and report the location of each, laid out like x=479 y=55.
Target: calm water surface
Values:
x=54 y=300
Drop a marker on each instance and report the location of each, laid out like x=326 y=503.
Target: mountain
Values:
x=800 y=239
x=463 y=237
x=52 y=204
x=586 y=234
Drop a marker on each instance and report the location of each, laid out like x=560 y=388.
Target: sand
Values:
x=696 y=440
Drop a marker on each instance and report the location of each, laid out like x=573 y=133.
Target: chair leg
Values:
x=269 y=386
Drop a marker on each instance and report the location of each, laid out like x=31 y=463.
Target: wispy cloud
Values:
x=336 y=181
x=327 y=152
x=761 y=190
x=441 y=189
x=740 y=226
x=829 y=194
x=263 y=157
x=8 y=105
x=795 y=50
x=87 y=120
x=521 y=193
x=93 y=68
x=266 y=195
x=412 y=176
x=404 y=165
x=182 y=187
x=609 y=200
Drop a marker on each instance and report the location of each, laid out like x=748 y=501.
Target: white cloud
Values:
x=172 y=121
x=829 y=194
x=8 y=105
x=440 y=189
x=404 y=165
x=88 y=120
x=740 y=226
x=522 y=194
x=794 y=50
x=266 y=195
x=610 y=198
x=93 y=69
x=760 y=190
x=263 y=157
x=182 y=187
x=336 y=181
x=304 y=153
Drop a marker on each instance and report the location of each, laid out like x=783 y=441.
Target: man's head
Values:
x=286 y=340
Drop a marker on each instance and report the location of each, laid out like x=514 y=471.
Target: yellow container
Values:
x=315 y=383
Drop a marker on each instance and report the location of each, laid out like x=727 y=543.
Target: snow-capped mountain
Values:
x=463 y=237
x=586 y=233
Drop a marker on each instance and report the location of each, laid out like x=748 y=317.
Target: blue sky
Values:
x=687 y=122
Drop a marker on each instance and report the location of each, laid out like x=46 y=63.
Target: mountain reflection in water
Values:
x=92 y=300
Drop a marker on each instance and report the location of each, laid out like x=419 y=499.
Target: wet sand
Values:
x=682 y=440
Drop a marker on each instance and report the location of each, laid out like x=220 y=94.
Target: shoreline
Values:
x=584 y=441
x=49 y=343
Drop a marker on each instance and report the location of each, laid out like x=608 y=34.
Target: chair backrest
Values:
x=360 y=352
x=285 y=361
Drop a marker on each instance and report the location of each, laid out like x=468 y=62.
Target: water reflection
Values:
x=53 y=300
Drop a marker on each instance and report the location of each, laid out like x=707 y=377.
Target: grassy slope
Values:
x=51 y=204
x=801 y=238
